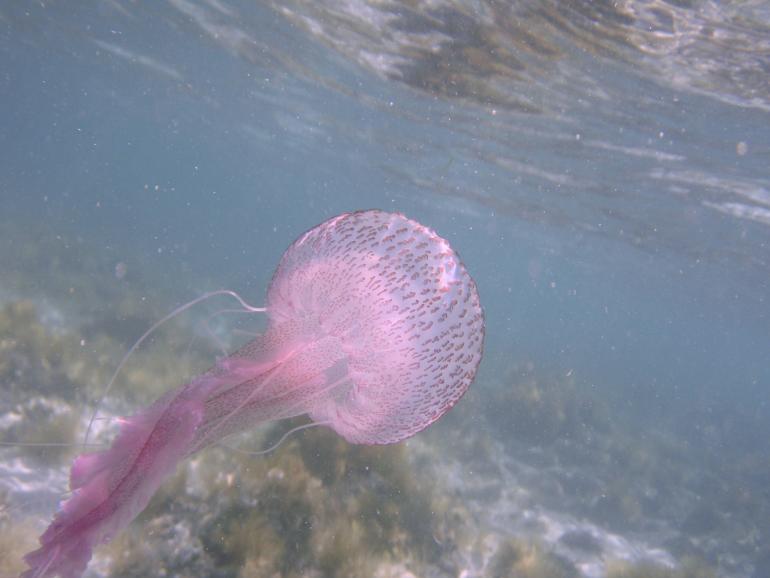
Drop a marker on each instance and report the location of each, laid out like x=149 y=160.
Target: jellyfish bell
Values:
x=396 y=305
x=375 y=329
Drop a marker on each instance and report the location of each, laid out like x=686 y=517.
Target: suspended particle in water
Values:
x=120 y=270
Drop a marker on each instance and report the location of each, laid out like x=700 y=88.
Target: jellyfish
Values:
x=374 y=329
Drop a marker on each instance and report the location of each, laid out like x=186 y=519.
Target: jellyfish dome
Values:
x=396 y=308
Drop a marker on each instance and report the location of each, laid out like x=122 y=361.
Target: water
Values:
x=601 y=169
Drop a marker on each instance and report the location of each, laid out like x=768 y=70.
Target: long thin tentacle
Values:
x=147 y=333
x=276 y=444
x=206 y=323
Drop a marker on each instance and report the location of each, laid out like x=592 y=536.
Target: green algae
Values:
x=17 y=537
x=540 y=408
x=516 y=558
x=316 y=506
x=34 y=359
x=51 y=377
x=394 y=500
x=39 y=369
x=688 y=568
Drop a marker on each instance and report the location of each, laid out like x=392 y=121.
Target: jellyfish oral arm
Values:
x=263 y=381
x=112 y=487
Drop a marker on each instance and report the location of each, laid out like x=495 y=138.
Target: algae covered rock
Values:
x=39 y=396
x=517 y=558
x=688 y=568
x=317 y=506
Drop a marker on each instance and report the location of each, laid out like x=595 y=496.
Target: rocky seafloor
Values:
x=530 y=476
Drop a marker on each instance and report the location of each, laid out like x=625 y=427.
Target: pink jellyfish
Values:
x=375 y=329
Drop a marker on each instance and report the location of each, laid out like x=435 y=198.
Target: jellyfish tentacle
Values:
x=277 y=444
x=51 y=444
x=245 y=389
x=146 y=334
x=221 y=421
x=206 y=325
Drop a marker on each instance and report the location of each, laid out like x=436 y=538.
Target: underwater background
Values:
x=602 y=169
